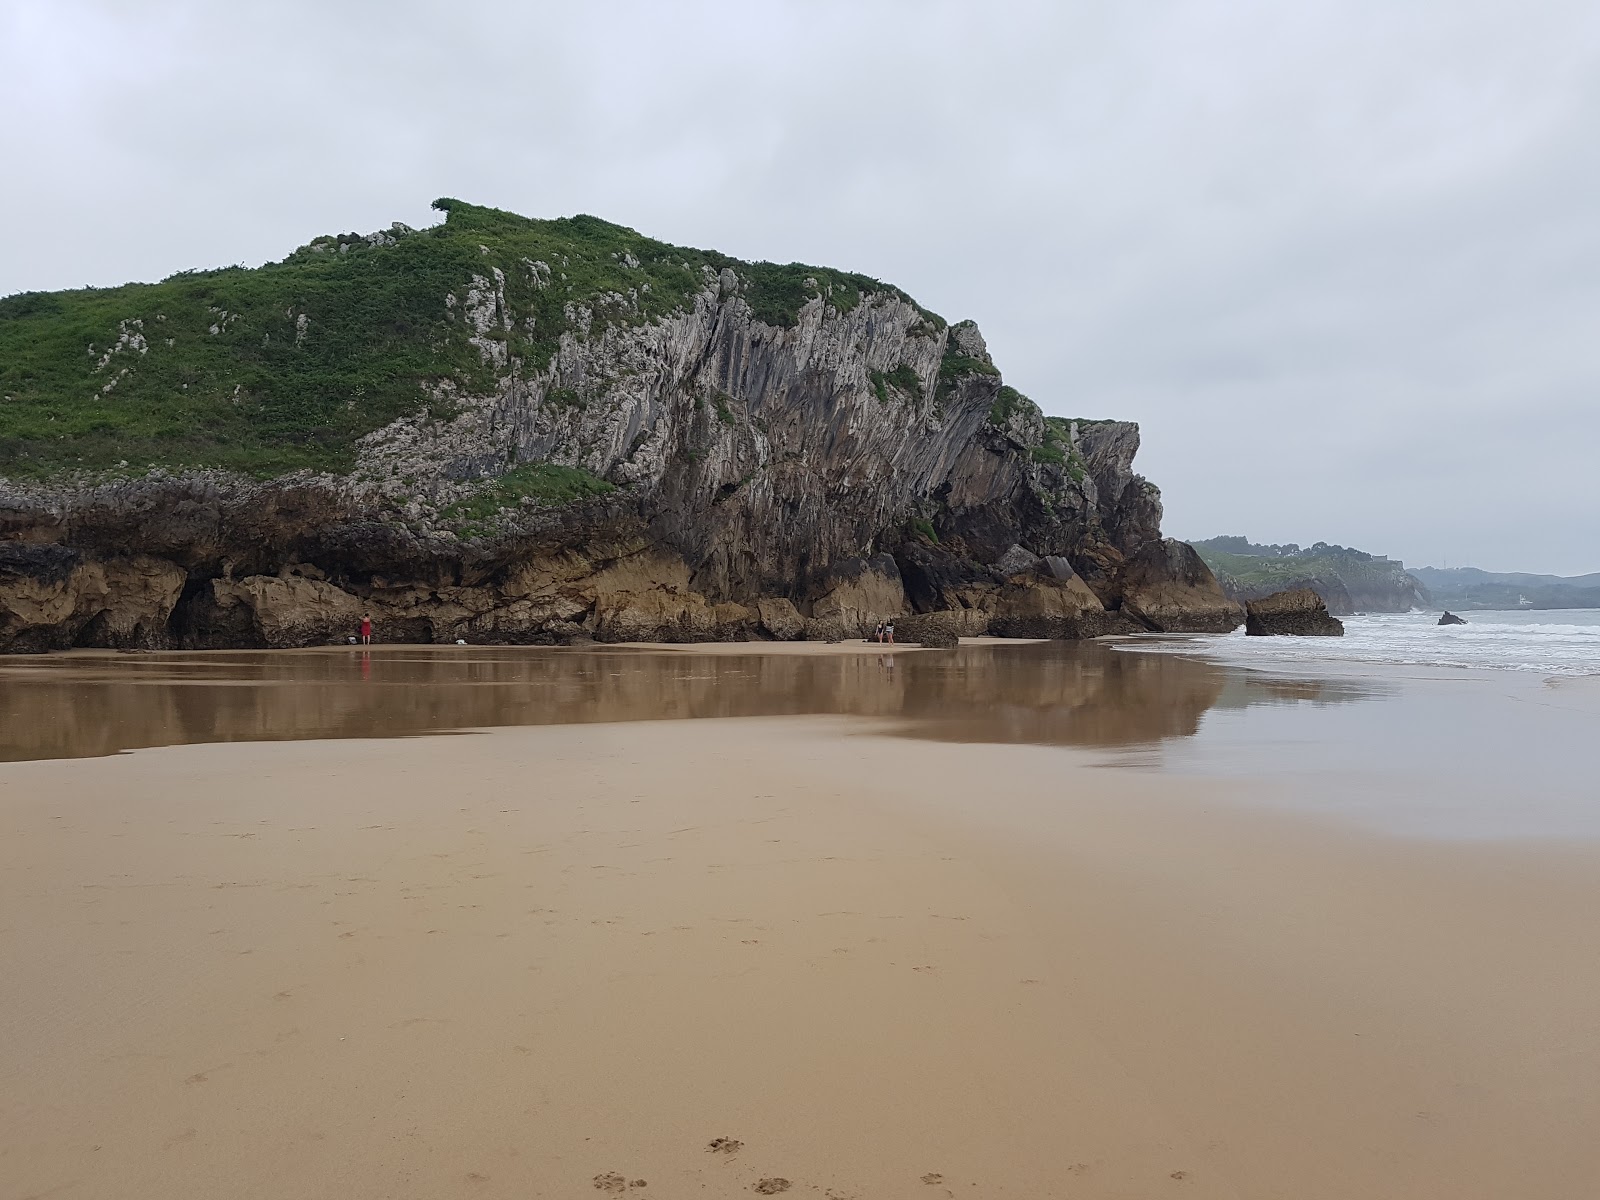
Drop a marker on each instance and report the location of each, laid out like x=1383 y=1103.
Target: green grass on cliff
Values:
x=1007 y=402
x=545 y=483
x=1059 y=450
x=902 y=377
x=285 y=366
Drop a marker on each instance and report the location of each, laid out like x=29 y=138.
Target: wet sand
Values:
x=562 y=959
x=95 y=702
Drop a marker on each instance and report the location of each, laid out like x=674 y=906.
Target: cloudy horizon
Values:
x=1338 y=259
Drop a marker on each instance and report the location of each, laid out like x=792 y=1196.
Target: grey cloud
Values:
x=1339 y=258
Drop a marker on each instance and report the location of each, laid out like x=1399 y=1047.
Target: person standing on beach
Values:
x=888 y=631
x=366 y=629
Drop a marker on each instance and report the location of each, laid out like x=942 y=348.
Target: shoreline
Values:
x=1109 y=694
x=846 y=646
x=540 y=957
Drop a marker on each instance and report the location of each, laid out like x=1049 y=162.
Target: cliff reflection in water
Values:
x=1056 y=694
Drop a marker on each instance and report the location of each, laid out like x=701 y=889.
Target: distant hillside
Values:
x=1348 y=580
x=1462 y=577
x=1471 y=588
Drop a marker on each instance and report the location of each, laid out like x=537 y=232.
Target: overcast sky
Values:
x=1340 y=259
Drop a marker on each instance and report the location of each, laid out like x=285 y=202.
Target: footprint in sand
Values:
x=933 y=1177
x=610 y=1181
x=771 y=1187
x=725 y=1145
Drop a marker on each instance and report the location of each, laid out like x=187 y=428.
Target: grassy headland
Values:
x=276 y=368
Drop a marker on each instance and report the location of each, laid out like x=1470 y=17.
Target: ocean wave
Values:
x=1493 y=641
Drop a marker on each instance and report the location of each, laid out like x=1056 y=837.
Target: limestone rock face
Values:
x=1169 y=589
x=272 y=611
x=1300 y=612
x=936 y=579
x=795 y=479
x=51 y=598
x=780 y=618
x=47 y=594
x=1046 y=607
x=861 y=592
x=550 y=621
x=141 y=592
x=657 y=615
x=1018 y=560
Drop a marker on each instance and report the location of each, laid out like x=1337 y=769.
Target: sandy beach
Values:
x=793 y=953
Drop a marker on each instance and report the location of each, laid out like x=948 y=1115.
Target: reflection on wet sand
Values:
x=84 y=705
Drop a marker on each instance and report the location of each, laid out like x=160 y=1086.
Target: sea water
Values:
x=1476 y=731
x=1550 y=641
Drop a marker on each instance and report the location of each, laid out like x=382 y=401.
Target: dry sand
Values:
x=545 y=961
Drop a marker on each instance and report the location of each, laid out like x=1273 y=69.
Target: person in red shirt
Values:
x=366 y=629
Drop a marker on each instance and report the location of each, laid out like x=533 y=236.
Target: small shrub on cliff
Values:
x=1058 y=449
x=546 y=483
x=1007 y=402
x=904 y=378
x=777 y=292
x=955 y=367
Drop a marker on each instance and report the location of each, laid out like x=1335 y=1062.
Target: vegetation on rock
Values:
x=1059 y=448
x=286 y=366
x=902 y=377
x=541 y=483
x=956 y=366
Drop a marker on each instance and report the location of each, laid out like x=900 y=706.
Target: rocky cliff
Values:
x=503 y=430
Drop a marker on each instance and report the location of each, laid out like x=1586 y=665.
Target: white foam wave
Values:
x=1500 y=641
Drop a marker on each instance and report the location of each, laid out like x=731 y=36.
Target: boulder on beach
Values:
x=1300 y=613
x=1450 y=618
x=935 y=630
x=1168 y=588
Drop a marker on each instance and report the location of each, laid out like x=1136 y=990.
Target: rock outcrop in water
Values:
x=1450 y=618
x=746 y=461
x=1300 y=613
